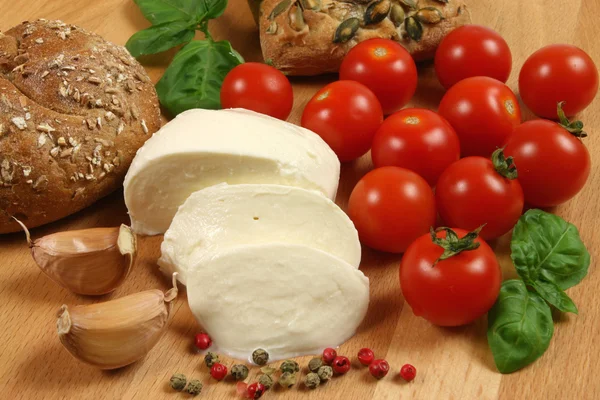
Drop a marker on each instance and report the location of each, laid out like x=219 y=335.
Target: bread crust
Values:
x=309 y=48
x=74 y=109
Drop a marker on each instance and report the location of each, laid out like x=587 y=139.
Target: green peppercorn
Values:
x=211 y=358
x=290 y=366
x=268 y=370
x=315 y=364
x=178 y=382
x=266 y=381
x=312 y=380
x=194 y=387
x=287 y=380
x=260 y=357
x=325 y=373
x=239 y=372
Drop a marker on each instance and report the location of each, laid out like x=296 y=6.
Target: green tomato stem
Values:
x=452 y=245
x=504 y=166
x=575 y=128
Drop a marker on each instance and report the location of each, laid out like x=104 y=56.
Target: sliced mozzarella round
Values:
x=224 y=216
x=290 y=300
x=201 y=148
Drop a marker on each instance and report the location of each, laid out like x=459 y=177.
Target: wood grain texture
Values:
x=452 y=363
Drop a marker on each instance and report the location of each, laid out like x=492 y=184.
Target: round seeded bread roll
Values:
x=74 y=109
x=309 y=37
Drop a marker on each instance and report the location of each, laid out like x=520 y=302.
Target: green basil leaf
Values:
x=554 y=295
x=546 y=247
x=160 y=38
x=194 y=78
x=215 y=8
x=519 y=327
x=161 y=11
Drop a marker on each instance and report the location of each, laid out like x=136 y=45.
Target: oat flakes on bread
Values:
x=310 y=37
x=74 y=109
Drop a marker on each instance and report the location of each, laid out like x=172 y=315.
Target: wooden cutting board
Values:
x=452 y=363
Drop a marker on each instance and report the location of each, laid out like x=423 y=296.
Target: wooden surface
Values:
x=451 y=363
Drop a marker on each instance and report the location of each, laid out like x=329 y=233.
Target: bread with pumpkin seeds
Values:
x=310 y=37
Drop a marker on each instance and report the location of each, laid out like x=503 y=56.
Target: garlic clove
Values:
x=116 y=333
x=90 y=261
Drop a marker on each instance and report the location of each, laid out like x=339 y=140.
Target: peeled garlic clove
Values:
x=116 y=333
x=90 y=261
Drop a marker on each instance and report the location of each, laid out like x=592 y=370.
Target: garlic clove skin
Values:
x=88 y=262
x=116 y=333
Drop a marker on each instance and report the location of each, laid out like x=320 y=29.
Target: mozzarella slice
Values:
x=201 y=148
x=290 y=300
x=224 y=215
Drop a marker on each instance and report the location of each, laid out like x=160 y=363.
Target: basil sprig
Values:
x=195 y=77
x=550 y=257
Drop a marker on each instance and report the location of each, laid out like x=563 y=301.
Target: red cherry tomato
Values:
x=553 y=164
x=483 y=111
x=472 y=50
x=416 y=139
x=258 y=87
x=452 y=292
x=346 y=115
x=391 y=207
x=475 y=191
x=385 y=67
x=559 y=72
